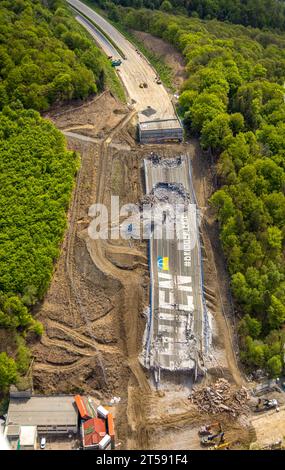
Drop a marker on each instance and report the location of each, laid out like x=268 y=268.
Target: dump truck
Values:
x=222 y=445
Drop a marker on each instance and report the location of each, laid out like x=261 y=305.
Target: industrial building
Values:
x=43 y=415
x=57 y=419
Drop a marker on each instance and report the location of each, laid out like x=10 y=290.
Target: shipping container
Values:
x=102 y=411
x=104 y=442
x=110 y=425
x=84 y=413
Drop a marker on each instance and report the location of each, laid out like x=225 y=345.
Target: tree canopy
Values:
x=256 y=13
x=45 y=55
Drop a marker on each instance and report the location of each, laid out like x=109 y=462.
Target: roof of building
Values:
x=28 y=435
x=42 y=411
x=93 y=431
x=12 y=431
x=160 y=124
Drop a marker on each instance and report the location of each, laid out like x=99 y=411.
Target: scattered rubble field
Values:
x=221 y=397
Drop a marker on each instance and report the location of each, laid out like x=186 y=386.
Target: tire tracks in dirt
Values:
x=61 y=367
x=101 y=345
x=131 y=285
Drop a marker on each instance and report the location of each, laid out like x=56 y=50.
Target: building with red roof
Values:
x=93 y=431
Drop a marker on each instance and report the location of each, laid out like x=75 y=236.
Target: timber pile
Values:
x=221 y=397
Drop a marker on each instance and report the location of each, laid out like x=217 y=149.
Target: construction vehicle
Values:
x=211 y=439
x=207 y=429
x=116 y=62
x=265 y=405
x=223 y=445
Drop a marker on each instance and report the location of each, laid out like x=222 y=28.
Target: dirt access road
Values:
x=133 y=71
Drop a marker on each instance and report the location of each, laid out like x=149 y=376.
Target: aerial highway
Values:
x=177 y=334
x=133 y=71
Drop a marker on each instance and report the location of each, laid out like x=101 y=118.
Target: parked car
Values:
x=43 y=442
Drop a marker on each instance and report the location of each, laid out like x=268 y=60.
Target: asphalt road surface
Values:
x=133 y=71
x=176 y=330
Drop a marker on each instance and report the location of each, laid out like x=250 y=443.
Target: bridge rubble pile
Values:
x=168 y=193
x=221 y=397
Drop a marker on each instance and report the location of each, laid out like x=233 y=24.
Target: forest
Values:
x=46 y=59
x=256 y=13
x=233 y=100
x=45 y=56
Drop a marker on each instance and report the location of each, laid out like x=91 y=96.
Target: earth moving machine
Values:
x=207 y=429
x=223 y=445
x=213 y=439
x=265 y=405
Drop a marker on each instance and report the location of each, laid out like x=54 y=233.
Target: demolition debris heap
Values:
x=221 y=397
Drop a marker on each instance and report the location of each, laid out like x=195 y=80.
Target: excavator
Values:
x=265 y=405
x=206 y=430
x=223 y=445
x=211 y=439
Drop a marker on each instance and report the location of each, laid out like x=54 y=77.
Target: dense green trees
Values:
x=8 y=371
x=45 y=56
x=256 y=13
x=36 y=181
x=233 y=99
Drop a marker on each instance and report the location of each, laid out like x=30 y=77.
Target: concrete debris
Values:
x=169 y=193
x=221 y=397
x=165 y=162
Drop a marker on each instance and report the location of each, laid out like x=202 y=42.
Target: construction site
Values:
x=150 y=321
